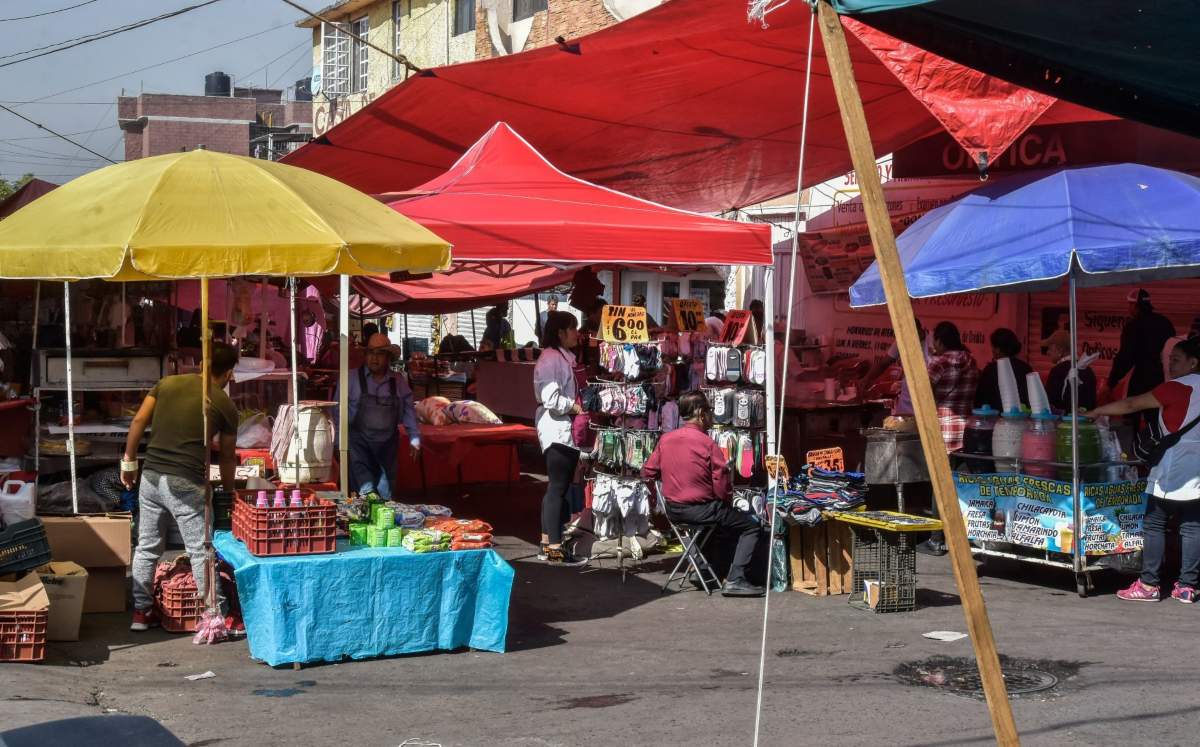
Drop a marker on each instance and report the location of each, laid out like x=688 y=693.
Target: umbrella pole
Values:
x=891 y=272
x=70 y=397
x=343 y=388
x=295 y=381
x=1077 y=558
x=262 y=319
x=205 y=364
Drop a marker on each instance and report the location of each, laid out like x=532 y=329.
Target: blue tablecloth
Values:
x=362 y=602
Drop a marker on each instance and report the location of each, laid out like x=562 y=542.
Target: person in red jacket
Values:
x=697 y=488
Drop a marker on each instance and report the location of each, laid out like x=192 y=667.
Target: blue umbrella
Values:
x=1114 y=224
x=1095 y=225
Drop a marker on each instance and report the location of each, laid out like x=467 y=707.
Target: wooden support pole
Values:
x=858 y=137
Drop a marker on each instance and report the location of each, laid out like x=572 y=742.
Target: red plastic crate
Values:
x=179 y=610
x=303 y=530
x=23 y=635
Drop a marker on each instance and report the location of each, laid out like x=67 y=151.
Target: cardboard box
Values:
x=66 y=585
x=106 y=590
x=91 y=541
x=24 y=595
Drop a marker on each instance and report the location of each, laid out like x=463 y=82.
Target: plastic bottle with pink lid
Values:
x=1038 y=445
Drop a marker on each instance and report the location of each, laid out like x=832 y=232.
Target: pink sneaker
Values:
x=1185 y=594
x=1139 y=592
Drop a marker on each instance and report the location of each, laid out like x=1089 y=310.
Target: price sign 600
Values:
x=624 y=324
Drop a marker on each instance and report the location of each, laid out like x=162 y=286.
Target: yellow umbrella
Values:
x=206 y=214
x=202 y=214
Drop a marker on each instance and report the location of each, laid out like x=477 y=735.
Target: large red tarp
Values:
x=686 y=104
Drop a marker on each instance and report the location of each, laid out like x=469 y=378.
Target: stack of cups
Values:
x=1038 y=401
x=1010 y=396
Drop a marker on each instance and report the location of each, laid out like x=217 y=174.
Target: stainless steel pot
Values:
x=894 y=457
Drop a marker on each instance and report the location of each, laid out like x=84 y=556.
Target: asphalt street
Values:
x=597 y=660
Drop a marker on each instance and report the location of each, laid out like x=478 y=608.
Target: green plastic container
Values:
x=358 y=533
x=1090 y=450
x=385 y=518
x=395 y=536
x=376 y=537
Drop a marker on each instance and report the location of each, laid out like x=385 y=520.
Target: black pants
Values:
x=728 y=519
x=556 y=505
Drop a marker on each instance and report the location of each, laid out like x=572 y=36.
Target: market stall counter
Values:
x=364 y=602
x=445 y=449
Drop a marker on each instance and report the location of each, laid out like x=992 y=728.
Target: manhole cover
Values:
x=960 y=675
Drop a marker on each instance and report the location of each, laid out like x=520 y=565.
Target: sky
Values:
x=277 y=56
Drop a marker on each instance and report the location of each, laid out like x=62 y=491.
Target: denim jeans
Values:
x=373 y=463
x=1154 y=528
x=158 y=496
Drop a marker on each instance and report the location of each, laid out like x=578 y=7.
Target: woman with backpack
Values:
x=1173 y=487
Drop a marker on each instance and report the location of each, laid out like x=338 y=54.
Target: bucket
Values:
x=18 y=501
x=316 y=447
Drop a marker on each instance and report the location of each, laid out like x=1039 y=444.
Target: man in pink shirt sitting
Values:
x=697 y=488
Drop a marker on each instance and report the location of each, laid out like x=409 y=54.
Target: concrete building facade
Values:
x=159 y=123
x=348 y=75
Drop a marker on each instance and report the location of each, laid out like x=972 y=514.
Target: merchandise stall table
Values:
x=364 y=602
x=445 y=449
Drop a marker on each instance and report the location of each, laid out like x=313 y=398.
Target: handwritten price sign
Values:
x=689 y=314
x=737 y=322
x=624 y=324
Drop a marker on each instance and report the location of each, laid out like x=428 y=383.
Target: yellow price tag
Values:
x=689 y=314
x=624 y=324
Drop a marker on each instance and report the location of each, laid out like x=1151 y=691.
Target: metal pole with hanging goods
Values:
x=70 y=397
x=858 y=137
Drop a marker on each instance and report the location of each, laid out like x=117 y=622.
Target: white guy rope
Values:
x=783 y=376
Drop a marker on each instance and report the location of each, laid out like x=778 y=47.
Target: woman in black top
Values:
x=1004 y=345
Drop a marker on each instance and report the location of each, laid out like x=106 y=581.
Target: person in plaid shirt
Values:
x=954 y=376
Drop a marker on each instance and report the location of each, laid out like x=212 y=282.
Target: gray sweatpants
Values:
x=159 y=496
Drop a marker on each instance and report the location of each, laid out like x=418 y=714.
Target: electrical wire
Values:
x=787 y=334
x=48 y=12
x=59 y=135
x=156 y=64
x=306 y=43
x=89 y=38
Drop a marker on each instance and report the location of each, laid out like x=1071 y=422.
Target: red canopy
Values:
x=686 y=104
x=464 y=287
x=27 y=193
x=503 y=202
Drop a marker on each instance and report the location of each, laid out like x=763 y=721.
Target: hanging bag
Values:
x=1151 y=443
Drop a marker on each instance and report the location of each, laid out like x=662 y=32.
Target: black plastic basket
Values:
x=222 y=509
x=23 y=546
x=890 y=559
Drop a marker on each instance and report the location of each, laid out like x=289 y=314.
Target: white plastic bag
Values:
x=254 y=432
